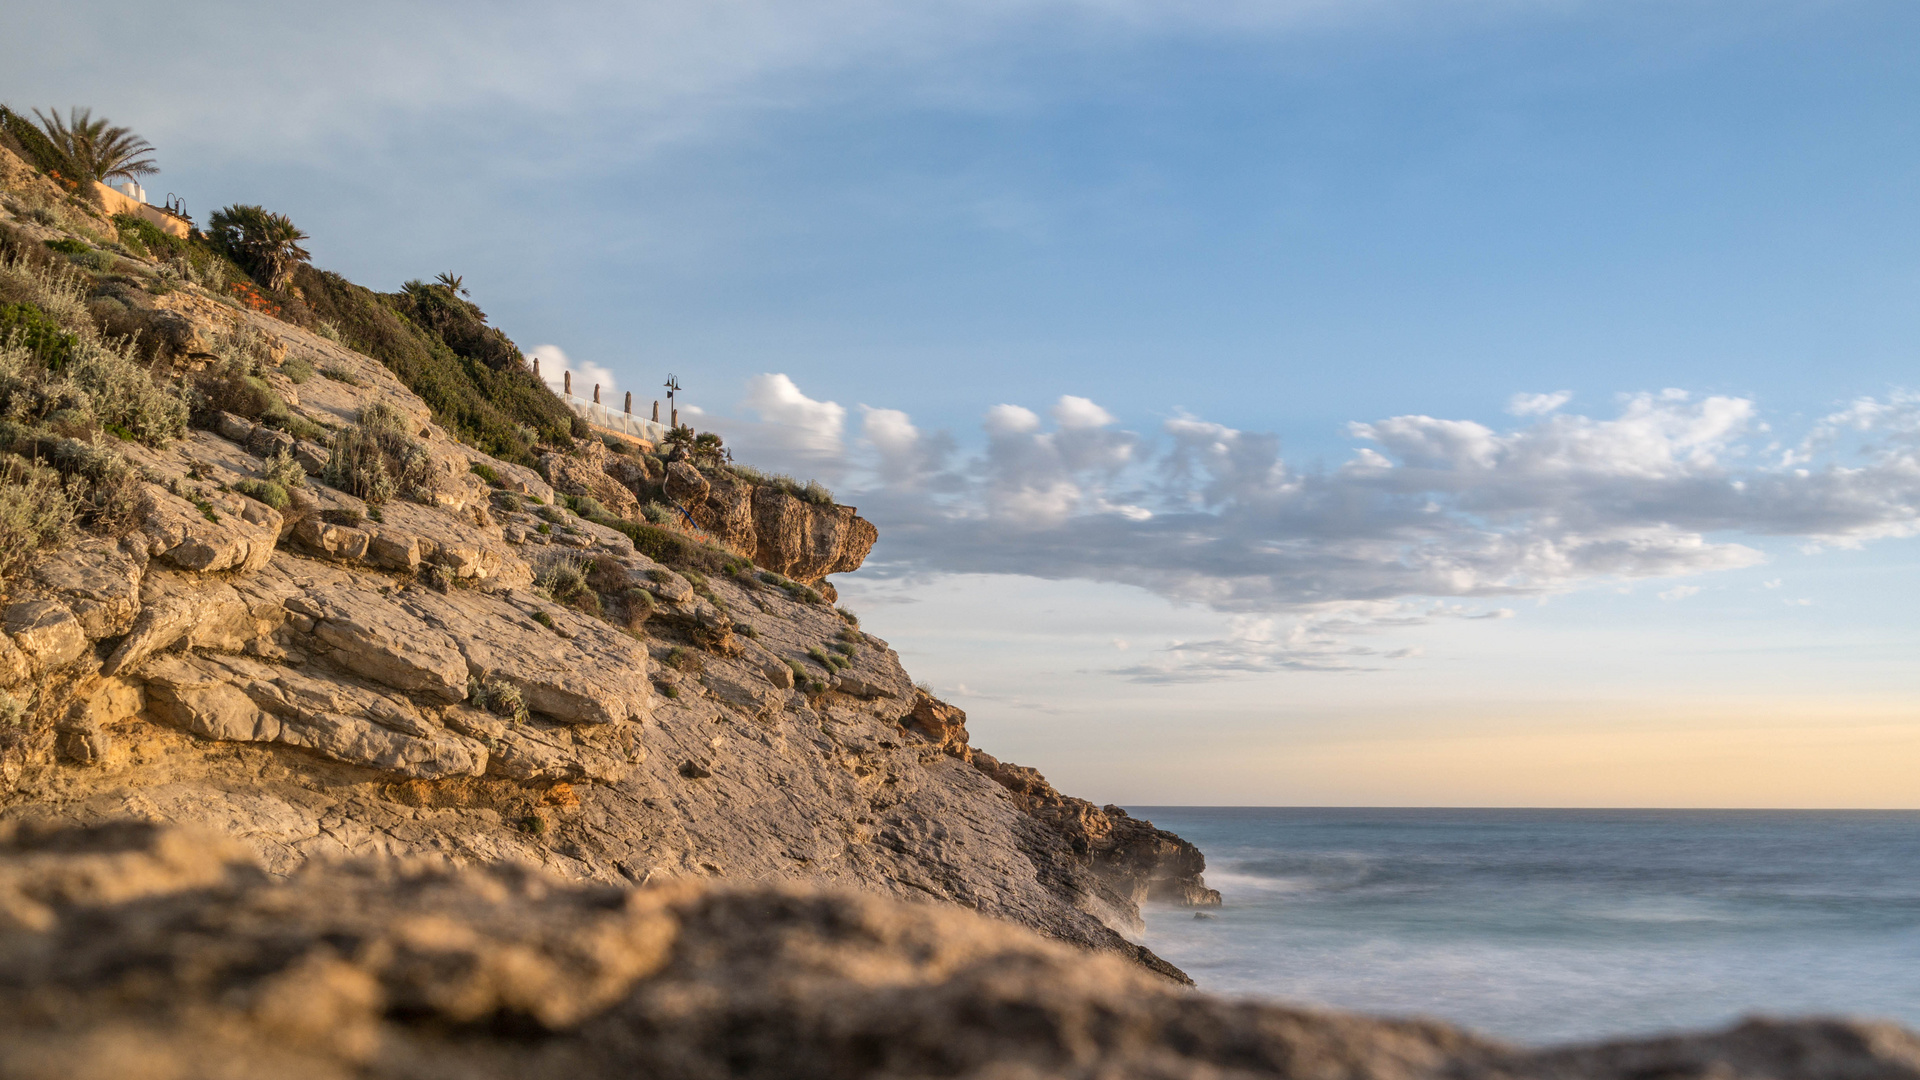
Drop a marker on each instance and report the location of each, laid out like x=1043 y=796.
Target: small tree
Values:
x=95 y=148
x=265 y=243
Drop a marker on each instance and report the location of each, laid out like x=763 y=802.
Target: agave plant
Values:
x=266 y=243
x=97 y=149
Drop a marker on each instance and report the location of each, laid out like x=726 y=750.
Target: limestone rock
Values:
x=939 y=723
x=578 y=671
x=98 y=580
x=232 y=533
x=312 y=457
x=242 y=700
x=1139 y=861
x=139 y=951
x=46 y=632
x=583 y=472
x=373 y=637
x=685 y=485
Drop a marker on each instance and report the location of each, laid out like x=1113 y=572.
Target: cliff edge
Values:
x=289 y=597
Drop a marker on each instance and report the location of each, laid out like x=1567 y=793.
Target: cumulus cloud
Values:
x=1427 y=509
x=1538 y=404
x=586 y=374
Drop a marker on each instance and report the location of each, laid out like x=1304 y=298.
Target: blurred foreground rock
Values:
x=136 y=951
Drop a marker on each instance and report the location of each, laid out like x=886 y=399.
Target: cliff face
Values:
x=778 y=531
x=134 y=952
x=339 y=631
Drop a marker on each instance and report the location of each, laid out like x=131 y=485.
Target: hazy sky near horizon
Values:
x=1377 y=402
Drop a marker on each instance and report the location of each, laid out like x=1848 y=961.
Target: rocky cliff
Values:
x=325 y=626
x=136 y=952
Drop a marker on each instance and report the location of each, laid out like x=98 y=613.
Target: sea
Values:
x=1543 y=926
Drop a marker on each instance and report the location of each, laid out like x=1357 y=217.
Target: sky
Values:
x=1458 y=402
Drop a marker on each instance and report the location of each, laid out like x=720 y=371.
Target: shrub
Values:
x=34 y=512
x=586 y=506
x=339 y=373
x=850 y=617
x=657 y=514
x=378 y=458
x=69 y=246
x=686 y=660
x=499 y=697
x=265 y=491
x=34 y=330
x=297 y=369
x=284 y=469
x=470 y=374
x=564 y=579
x=485 y=472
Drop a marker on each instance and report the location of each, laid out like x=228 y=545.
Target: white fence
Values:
x=614 y=420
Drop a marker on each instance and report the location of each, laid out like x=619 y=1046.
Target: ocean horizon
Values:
x=1551 y=925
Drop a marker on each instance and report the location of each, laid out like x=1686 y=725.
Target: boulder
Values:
x=230 y=533
x=98 y=580
x=685 y=485
x=49 y=634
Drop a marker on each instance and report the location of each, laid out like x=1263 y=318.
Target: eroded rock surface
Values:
x=471 y=672
x=138 y=952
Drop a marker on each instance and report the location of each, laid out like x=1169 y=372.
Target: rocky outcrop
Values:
x=139 y=952
x=467 y=670
x=1138 y=861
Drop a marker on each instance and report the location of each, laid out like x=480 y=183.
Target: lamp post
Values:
x=673 y=408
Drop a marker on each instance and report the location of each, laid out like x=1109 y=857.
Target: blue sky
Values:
x=1198 y=245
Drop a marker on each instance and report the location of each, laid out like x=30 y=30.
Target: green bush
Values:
x=657 y=514
x=297 y=369
x=68 y=246
x=564 y=579
x=586 y=506
x=284 y=469
x=486 y=472
x=35 y=331
x=379 y=458
x=265 y=491
x=34 y=512
x=339 y=373
x=850 y=617
x=440 y=346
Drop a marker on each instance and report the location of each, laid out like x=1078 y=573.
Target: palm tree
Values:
x=453 y=283
x=97 y=149
x=265 y=243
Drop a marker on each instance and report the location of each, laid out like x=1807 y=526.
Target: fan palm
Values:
x=97 y=149
x=453 y=283
x=265 y=243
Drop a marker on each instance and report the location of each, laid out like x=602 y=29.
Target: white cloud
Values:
x=1077 y=412
x=1538 y=404
x=794 y=421
x=1774 y=584
x=1011 y=420
x=554 y=364
x=1456 y=511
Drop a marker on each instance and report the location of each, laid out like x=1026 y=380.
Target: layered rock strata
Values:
x=137 y=952
x=469 y=671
